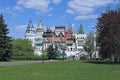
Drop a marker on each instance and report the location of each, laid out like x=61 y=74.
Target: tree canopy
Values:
x=89 y=44
x=108 y=40
x=80 y=30
x=22 y=48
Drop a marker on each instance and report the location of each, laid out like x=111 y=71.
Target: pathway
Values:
x=3 y=64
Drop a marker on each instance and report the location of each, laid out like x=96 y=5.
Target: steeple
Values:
x=30 y=28
x=70 y=28
x=39 y=28
x=40 y=24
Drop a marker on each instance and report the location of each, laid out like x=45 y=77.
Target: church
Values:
x=72 y=43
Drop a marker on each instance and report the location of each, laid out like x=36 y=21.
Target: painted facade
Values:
x=64 y=39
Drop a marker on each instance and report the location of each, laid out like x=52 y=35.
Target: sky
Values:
x=17 y=13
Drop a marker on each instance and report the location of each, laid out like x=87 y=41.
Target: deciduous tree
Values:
x=22 y=48
x=108 y=27
x=89 y=44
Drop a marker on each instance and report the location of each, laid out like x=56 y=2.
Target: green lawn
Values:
x=62 y=70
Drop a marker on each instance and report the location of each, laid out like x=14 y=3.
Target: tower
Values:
x=30 y=32
x=39 y=30
x=39 y=39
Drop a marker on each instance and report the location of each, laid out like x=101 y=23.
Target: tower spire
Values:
x=39 y=28
x=30 y=27
x=40 y=24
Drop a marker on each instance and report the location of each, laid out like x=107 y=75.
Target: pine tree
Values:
x=5 y=41
x=80 y=30
x=51 y=54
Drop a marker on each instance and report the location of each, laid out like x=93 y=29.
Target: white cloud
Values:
x=116 y=2
x=39 y=5
x=21 y=28
x=24 y=27
x=50 y=9
x=87 y=6
x=70 y=11
x=56 y=1
x=84 y=9
x=84 y=17
x=49 y=14
x=73 y=25
x=17 y=8
x=9 y=11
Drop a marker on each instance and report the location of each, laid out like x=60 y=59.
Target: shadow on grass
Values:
x=101 y=62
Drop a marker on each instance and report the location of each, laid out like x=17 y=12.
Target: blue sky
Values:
x=17 y=13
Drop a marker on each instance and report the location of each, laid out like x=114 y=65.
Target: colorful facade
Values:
x=64 y=39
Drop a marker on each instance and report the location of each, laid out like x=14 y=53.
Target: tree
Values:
x=118 y=8
x=108 y=10
x=108 y=40
x=22 y=49
x=80 y=30
x=5 y=41
x=44 y=55
x=89 y=44
x=51 y=52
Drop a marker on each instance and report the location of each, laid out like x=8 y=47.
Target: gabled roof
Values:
x=54 y=34
x=61 y=35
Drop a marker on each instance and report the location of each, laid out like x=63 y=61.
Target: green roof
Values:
x=47 y=35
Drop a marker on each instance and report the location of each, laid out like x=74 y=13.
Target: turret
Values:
x=30 y=28
x=30 y=32
x=39 y=30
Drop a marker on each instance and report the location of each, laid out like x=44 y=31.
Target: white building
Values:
x=80 y=40
x=35 y=36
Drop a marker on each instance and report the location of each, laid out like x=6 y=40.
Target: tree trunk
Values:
x=115 y=59
x=118 y=58
x=90 y=56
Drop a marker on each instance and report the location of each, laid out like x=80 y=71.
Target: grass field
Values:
x=62 y=70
